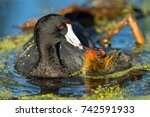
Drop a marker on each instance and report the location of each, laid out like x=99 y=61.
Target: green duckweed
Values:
x=100 y=93
x=114 y=92
x=45 y=97
x=107 y=93
x=116 y=74
x=14 y=42
x=5 y=95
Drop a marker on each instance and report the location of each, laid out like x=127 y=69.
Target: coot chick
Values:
x=97 y=62
x=54 y=50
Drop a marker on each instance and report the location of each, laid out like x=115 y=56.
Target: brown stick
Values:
x=136 y=30
x=113 y=32
x=139 y=38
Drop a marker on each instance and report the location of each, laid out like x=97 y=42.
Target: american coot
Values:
x=54 y=50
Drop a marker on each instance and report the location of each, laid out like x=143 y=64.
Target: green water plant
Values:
x=14 y=42
x=116 y=74
x=5 y=95
x=101 y=93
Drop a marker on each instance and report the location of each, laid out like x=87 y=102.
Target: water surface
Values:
x=14 y=12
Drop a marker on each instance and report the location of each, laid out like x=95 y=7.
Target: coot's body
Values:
x=55 y=51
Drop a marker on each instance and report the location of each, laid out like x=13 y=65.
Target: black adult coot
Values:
x=54 y=50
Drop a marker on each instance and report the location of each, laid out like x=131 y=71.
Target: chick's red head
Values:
x=92 y=61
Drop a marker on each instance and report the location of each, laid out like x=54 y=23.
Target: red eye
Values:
x=59 y=26
x=68 y=21
x=103 y=52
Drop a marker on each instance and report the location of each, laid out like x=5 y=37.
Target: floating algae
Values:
x=14 y=42
x=5 y=95
x=116 y=74
x=112 y=92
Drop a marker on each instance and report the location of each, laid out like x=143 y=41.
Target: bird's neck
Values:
x=44 y=53
x=47 y=51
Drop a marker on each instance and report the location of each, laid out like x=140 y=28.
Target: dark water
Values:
x=14 y=12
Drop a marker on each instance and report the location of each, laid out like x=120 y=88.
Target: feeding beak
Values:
x=72 y=38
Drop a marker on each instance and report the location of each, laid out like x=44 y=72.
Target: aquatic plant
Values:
x=114 y=92
x=14 y=42
x=5 y=95
x=100 y=93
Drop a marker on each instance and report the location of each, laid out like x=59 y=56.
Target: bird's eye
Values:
x=102 y=52
x=59 y=26
x=68 y=21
